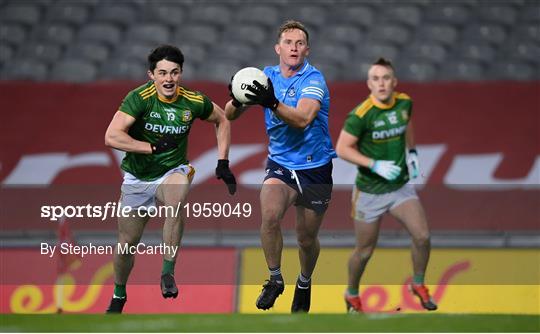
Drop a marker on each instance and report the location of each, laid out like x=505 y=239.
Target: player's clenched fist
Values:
x=223 y=172
x=166 y=143
x=262 y=95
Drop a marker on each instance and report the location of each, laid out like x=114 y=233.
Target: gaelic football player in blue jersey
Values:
x=296 y=104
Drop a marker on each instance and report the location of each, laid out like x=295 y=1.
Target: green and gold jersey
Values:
x=380 y=129
x=155 y=117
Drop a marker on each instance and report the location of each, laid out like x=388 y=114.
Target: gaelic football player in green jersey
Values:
x=375 y=137
x=152 y=126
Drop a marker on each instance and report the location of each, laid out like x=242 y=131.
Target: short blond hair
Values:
x=292 y=24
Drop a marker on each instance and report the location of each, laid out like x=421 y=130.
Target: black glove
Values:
x=224 y=173
x=263 y=96
x=235 y=102
x=164 y=144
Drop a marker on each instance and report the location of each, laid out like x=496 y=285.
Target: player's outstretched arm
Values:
x=233 y=111
x=234 y=108
x=117 y=135
x=223 y=136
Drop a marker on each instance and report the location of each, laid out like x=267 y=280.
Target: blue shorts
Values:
x=313 y=186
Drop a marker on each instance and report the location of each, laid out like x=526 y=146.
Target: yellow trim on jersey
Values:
x=189 y=92
x=166 y=100
x=148 y=92
x=402 y=96
x=385 y=140
x=190 y=95
x=395 y=96
x=191 y=173
x=381 y=105
x=148 y=95
x=362 y=109
x=354 y=201
x=190 y=98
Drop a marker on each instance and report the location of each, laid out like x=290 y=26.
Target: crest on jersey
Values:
x=404 y=114
x=292 y=92
x=186 y=115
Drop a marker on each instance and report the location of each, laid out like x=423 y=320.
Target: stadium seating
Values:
x=217 y=15
x=122 y=69
x=12 y=33
x=248 y=33
x=310 y=14
x=91 y=51
x=41 y=51
x=59 y=33
x=100 y=32
x=458 y=40
x=405 y=14
x=73 y=70
x=25 y=69
x=346 y=34
x=204 y=34
x=6 y=53
x=463 y=70
x=195 y=53
x=446 y=34
x=68 y=13
x=361 y=16
x=120 y=14
x=168 y=14
x=24 y=13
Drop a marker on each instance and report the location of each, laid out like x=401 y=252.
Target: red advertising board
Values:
x=28 y=283
x=478 y=142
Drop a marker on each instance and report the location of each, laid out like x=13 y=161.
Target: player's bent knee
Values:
x=364 y=253
x=130 y=240
x=306 y=242
x=422 y=240
x=270 y=224
x=271 y=218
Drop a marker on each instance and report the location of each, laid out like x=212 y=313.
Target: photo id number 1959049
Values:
x=217 y=210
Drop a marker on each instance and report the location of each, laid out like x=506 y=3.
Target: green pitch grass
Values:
x=269 y=323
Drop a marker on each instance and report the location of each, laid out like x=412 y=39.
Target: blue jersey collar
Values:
x=304 y=69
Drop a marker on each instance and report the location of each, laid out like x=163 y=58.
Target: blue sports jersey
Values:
x=292 y=147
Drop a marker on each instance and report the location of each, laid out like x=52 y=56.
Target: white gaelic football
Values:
x=244 y=78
